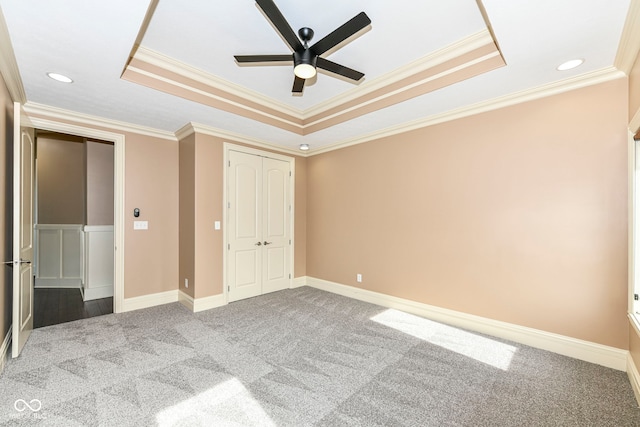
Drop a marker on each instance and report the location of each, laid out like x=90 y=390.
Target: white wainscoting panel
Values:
x=59 y=255
x=99 y=265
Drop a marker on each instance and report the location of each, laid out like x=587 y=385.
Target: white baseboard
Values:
x=4 y=349
x=151 y=300
x=299 y=282
x=207 y=303
x=97 y=293
x=634 y=377
x=578 y=349
x=185 y=299
x=201 y=304
x=57 y=283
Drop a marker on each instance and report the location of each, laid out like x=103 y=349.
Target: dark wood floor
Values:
x=52 y=306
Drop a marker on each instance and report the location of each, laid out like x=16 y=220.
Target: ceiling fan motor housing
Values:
x=305 y=57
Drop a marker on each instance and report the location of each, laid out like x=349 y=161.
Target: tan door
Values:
x=23 y=154
x=259 y=222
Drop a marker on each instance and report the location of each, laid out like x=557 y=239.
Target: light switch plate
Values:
x=216 y=225
x=140 y=225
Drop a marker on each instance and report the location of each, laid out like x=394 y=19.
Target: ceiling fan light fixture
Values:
x=304 y=64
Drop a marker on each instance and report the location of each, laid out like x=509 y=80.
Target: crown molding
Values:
x=473 y=55
x=54 y=113
x=630 y=39
x=584 y=80
x=462 y=47
x=172 y=65
x=9 y=65
x=415 y=85
x=197 y=128
x=455 y=50
x=189 y=88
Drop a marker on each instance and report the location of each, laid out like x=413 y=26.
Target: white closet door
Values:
x=275 y=219
x=259 y=223
x=245 y=226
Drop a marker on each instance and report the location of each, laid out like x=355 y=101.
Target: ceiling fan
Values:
x=305 y=58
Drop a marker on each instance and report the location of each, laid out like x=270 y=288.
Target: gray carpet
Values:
x=299 y=357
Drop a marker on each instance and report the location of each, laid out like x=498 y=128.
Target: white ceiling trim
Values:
x=182 y=69
x=9 y=65
x=455 y=50
x=222 y=99
x=584 y=80
x=407 y=87
x=192 y=127
x=54 y=113
x=630 y=39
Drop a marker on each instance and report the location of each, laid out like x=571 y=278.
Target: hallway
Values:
x=59 y=305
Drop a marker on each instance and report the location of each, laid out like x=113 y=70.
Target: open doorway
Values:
x=74 y=228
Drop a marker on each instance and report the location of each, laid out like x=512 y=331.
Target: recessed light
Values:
x=304 y=147
x=570 y=64
x=59 y=78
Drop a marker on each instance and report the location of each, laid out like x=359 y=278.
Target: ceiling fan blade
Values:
x=341 y=70
x=280 y=23
x=298 y=85
x=341 y=33
x=243 y=59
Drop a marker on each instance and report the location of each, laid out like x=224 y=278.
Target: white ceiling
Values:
x=91 y=42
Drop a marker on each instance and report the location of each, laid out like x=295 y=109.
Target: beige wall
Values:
x=209 y=181
x=99 y=174
x=61 y=179
x=151 y=184
x=300 y=226
x=634 y=89
x=518 y=215
x=187 y=151
x=201 y=184
x=634 y=106
x=6 y=217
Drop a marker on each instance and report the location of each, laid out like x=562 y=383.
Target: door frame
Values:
x=227 y=147
x=118 y=140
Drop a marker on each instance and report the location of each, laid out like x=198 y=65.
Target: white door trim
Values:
x=225 y=203
x=118 y=140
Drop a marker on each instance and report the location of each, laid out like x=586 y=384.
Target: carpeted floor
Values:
x=299 y=357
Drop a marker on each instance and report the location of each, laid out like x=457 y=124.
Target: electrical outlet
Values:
x=186 y=283
x=359 y=278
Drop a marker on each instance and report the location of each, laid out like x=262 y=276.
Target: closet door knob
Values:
x=267 y=243
x=259 y=244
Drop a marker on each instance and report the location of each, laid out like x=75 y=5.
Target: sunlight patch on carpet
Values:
x=228 y=403
x=477 y=347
